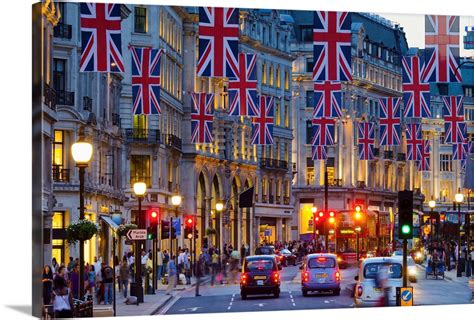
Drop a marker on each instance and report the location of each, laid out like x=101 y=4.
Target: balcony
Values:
x=50 y=97
x=273 y=164
x=145 y=136
x=264 y=198
x=170 y=186
x=286 y=200
x=65 y=98
x=270 y=199
x=87 y=103
x=361 y=184
x=60 y=174
x=174 y=142
x=116 y=119
x=401 y=157
x=388 y=155
x=62 y=30
x=146 y=179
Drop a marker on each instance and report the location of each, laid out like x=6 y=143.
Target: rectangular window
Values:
x=287 y=80
x=140 y=126
x=278 y=80
x=310 y=99
x=306 y=33
x=60 y=173
x=309 y=65
x=468 y=91
x=58 y=249
x=140 y=20
x=272 y=82
x=309 y=131
x=59 y=74
x=443 y=89
x=309 y=171
x=445 y=162
x=140 y=169
x=469 y=114
x=264 y=73
x=277 y=114
x=286 y=115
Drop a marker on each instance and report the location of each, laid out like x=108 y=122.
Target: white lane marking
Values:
x=259 y=304
x=231 y=301
x=228 y=308
x=294 y=305
x=230 y=304
x=325 y=301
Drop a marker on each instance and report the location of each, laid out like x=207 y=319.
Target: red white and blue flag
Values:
x=218 y=42
x=101 y=39
x=146 y=81
x=366 y=140
x=323 y=131
x=460 y=151
x=202 y=116
x=390 y=121
x=243 y=100
x=442 y=49
x=414 y=141
x=328 y=99
x=454 y=124
x=424 y=163
x=263 y=122
x=319 y=153
x=416 y=92
x=332 y=46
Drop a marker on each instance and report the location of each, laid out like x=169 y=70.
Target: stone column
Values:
x=279 y=231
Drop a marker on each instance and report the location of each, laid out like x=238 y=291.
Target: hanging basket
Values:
x=123 y=229
x=81 y=231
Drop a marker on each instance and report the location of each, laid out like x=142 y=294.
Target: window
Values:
x=140 y=126
x=278 y=80
x=468 y=91
x=393 y=270
x=306 y=33
x=286 y=115
x=445 y=162
x=277 y=114
x=309 y=131
x=309 y=65
x=321 y=262
x=264 y=73
x=140 y=170
x=59 y=74
x=469 y=114
x=310 y=99
x=309 y=171
x=287 y=80
x=59 y=172
x=443 y=89
x=264 y=35
x=272 y=82
x=58 y=249
x=140 y=20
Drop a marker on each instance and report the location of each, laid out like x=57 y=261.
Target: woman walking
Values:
x=91 y=279
x=62 y=299
x=47 y=284
x=124 y=273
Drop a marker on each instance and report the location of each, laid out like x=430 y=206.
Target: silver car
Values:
x=320 y=272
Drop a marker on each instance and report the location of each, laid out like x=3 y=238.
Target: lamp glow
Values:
x=81 y=152
x=139 y=188
x=176 y=200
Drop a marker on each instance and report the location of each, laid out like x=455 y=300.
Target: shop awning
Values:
x=108 y=220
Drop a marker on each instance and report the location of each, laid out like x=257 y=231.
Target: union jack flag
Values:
x=332 y=46
x=218 y=42
x=454 y=124
x=416 y=92
x=328 y=98
x=202 y=115
x=366 y=140
x=414 y=142
x=146 y=80
x=319 y=153
x=243 y=99
x=323 y=131
x=389 y=121
x=424 y=163
x=263 y=122
x=101 y=38
x=442 y=49
x=460 y=151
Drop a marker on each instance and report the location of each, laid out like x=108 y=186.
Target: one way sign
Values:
x=136 y=234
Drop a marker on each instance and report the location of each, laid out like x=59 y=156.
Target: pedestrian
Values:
x=97 y=264
x=62 y=298
x=47 y=284
x=70 y=265
x=131 y=263
x=91 y=279
x=172 y=275
x=199 y=272
x=214 y=265
x=159 y=264
x=180 y=262
x=242 y=253
x=124 y=275
x=166 y=259
x=381 y=281
x=75 y=281
x=54 y=266
x=144 y=260
x=187 y=266
x=108 y=280
x=99 y=286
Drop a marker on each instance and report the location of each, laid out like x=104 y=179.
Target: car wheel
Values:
x=276 y=294
x=337 y=292
x=305 y=293
x=243 y=296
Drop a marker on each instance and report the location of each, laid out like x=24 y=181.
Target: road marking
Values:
x=294 y=305
x=259 y=304
x=325 y=301
x=228 y=308
x=230 y=304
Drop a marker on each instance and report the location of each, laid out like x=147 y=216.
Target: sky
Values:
x=414 y=27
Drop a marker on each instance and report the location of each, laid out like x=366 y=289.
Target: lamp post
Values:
x=176 y=202
x=82 y=154
x=459 y=198
x=139 y=188
x=219 y=209
x=432 y=205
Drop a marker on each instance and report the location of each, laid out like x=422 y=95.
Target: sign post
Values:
x=405 y=296
x=137 y=234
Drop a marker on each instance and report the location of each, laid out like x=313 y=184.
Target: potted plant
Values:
x=81 y=231
x=123 y=229
x=210 y=231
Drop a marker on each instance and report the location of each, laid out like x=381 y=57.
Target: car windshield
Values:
x=371 y=269
x=265 y=250
x=259 y=265
x=321 y=262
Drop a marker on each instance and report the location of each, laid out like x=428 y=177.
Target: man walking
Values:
x=108 y=280
x=199 y=271
x=171 y=275
x=159 y=263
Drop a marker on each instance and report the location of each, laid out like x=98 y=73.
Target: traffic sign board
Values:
x=137 y=234
x=405 y=296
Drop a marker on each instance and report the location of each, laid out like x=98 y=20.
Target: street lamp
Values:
x=176 y=202
x=432 y=205
x=82 y=154
x=139 y=188
x=459 y=198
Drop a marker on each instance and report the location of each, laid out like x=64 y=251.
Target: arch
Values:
x=201 y=206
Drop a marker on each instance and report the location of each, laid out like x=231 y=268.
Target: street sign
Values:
x=267 y=232
x=137 y=234
x=405 y=296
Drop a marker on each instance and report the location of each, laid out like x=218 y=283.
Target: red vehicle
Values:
x=286 y=258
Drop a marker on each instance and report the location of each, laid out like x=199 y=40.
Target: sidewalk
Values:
x=450 y=275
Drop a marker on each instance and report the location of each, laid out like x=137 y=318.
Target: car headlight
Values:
x=339 y=259
x=412 y=271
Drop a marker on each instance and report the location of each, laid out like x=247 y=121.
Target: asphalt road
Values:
x=226 y=298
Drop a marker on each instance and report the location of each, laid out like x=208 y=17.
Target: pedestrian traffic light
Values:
x=165 y=229
x=405 y=214
x=153 y=217
x=151 y=233
x=188 y=227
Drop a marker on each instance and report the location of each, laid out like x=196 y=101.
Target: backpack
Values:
x=108 y=274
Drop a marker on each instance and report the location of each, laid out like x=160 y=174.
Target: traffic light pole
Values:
x=405 y=263
x=171 y=237
x=326 y=205
x=154 y=260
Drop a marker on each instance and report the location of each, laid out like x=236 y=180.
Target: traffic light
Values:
x=151 y=233
x=165 y=229
x=153 y=218
x=196 y=232
x=332 y=217
x=405 y=214
x=188 y=227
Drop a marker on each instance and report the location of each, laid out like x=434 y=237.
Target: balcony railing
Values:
x=60 y=174
x=401 y=157
x=361 y=184
x=388 y=154
x=142 y=136
x=116 y=119
x=65 y=98
x=87 y=103
x=273 y=163
x=286 y=200
x=49 y=97
x=264 y=198
x=270 y=199
x=173 y=141
x=145 y=179
x=170 y=186
x=62 y=30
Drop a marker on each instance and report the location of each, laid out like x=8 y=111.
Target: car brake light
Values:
x=281 y=257
x=338 y=276
x=359 y=291
x=305 y=276
x=321 y=259
x=244 y=278
x=275 y=277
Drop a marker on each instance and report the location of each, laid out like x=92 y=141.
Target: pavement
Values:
x=450 y=275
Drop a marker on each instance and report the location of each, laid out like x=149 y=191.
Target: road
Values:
x=226 y=298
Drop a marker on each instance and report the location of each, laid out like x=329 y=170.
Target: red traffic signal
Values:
x=331 y=213
x=153 y=216
x=189 y=221
x=321 y=214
